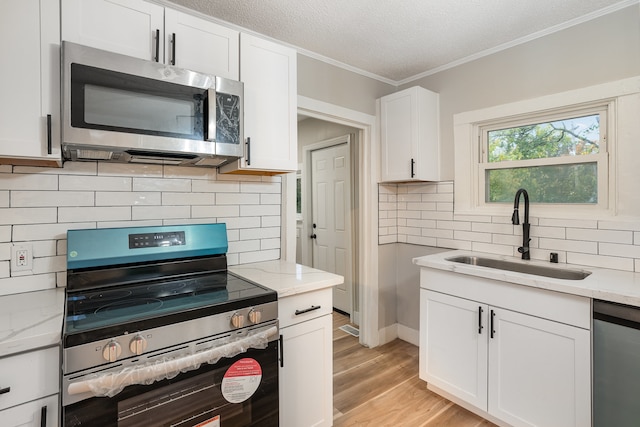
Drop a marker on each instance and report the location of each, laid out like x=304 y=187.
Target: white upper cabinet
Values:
x=201 y=45
x=148 y=31
x=268 y=71
x=30 y=84
x=128 y=27
x=410 y=136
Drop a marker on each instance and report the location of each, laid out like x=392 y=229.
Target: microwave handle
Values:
x=211 y=120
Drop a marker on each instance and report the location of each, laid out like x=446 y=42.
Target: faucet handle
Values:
x=515 y=218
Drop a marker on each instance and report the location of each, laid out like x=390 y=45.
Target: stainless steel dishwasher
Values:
x=616 y=364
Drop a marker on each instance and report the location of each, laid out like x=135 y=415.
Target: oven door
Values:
x=239 y=391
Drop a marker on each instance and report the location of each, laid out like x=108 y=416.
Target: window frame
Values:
x=601 y=159
x=623 y=97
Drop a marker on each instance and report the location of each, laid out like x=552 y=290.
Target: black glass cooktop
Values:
x=101 y=313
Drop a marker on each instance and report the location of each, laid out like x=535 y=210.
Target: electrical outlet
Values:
x=21 y=257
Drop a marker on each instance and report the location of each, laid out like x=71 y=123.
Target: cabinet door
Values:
x=128 y=27
x=399 y=129
x=39 y=413
x=306 y=379
x=539 y=372
x=410 y=137
x=453 y=346
x=30 y=84
x=268 y=71
x=201 y=45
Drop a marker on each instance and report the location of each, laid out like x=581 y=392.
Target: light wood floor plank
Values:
x=380 y=387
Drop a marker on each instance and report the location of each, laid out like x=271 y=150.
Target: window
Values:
x=559 y=157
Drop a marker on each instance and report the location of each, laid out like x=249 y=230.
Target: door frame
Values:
x=307 y=205
x=367 y=215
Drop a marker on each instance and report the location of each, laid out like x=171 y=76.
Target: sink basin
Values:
x=538 y=270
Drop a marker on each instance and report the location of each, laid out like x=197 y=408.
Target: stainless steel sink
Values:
x=538 y=270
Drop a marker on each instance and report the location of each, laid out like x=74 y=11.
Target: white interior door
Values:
x=331 y=218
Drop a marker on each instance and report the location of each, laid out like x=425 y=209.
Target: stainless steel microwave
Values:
x=122 y=109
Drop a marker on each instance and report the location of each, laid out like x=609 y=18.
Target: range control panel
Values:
x=156 y=240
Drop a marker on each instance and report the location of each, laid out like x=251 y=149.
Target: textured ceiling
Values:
x=399 y=39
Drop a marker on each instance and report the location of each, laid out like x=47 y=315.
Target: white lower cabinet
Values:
x=306 y=372
x=30 y=383
x=515 y=368
x=39 y=413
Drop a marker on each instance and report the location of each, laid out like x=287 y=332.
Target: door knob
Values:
x=313 y=236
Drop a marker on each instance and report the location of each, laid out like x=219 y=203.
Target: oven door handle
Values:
x=112 y=383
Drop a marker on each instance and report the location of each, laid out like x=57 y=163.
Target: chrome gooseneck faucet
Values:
x=515 y=220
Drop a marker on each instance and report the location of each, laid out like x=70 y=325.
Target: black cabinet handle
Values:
x=43 y=417
x=480 y=320
x=157 y=55
x=248 y=144
x=49 y=151
x=5 y=390
x=281 y=351
x=413 y=162
x=493 y=315
x=306 y=310
x=173 y=49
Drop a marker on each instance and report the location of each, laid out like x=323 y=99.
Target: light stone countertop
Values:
x=30 y=320
x=605 y=284
x=286 y=278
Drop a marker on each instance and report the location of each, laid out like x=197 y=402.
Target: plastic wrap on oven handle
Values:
x=112 y=383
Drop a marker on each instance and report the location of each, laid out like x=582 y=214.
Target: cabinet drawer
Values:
x=31 y=414
x=309 y=305
x=29 y=376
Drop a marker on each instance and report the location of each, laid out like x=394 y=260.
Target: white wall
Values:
x=39 y=205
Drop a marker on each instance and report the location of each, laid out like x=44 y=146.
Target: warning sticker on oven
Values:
x=241 y=380
x=211 y=422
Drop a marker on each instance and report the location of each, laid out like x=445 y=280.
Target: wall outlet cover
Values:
x=22 y=257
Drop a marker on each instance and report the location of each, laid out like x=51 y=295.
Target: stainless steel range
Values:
x=157 y=332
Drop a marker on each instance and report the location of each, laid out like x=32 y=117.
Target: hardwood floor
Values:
x=380 y=387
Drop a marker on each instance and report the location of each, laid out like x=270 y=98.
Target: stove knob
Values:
x=138 y=345
x=111 y=351
x=255 y=316
x=237 y=320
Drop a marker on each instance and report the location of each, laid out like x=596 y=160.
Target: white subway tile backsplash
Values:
x=259 y=210
x=49 y=264
x=121 y=198
x=492 y=248
x=168 y=184
x=5 y=270
x=193 y=199
x=244 y=246
x=247 y=257
x=25 y=233
x=242 y=222
x=4 y=199
x=10 y=216
x=614 y=249
x=28 y=182
x=259 y=233
x=5 y=251
x=604 y=242
x=270 y=199
x=472 y=236
x=590 y=260
x=34 y=282
x=103 y=213
x=69 y=168
x=267 y=244
x=161 y=212
x=5 y=233
x=127 y=169
x=44 y=248
x=6 y=168
x=215 y=211
x=238 y=199
x=191 y=173
x=575 y=223
x=260 y=187
x=51 y=198
x=200 y=186
x=579 y=246
x=611 y=236
x=95 y=183
x=270 y=221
